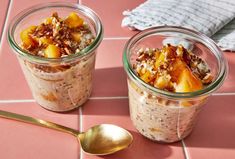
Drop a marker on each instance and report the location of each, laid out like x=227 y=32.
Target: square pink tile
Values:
x=110 y=13
x=117 y=112
x=3 y=13
x=229 y=85
x=109 y=76
x=110 y=82
x=12 y=82
x=18 y=6
x=109 y=54
x=213 y=136
x=22 y=140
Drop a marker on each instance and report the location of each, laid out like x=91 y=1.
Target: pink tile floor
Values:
x=212 y=137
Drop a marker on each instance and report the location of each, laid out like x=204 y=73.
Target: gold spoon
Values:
x=99 y=140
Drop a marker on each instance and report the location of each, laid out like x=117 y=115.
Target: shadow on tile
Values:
x=215 y=127
x=144 y=148
x=106 y=108
x=109 y=82
x=228 y=85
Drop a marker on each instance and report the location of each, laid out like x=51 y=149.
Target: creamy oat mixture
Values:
x=59 y=86
x=171 y=69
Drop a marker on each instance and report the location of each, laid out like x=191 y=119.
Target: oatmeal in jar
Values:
x=172 y=69
x=59 y=85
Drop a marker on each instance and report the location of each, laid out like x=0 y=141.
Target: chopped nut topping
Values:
x=172 y=68
x=70 y=35
x=56 y=38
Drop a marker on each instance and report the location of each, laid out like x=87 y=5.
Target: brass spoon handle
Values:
x=39 y=122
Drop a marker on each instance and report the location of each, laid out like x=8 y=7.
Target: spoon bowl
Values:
x=101 y=139
x=104 y=139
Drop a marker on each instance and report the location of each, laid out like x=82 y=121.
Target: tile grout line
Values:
x=223 y=94
x=116 y=38
x=33 y=100
x=5 y=22
x=80 y=129
x=93 y=98
x=17 y=101
x=107 y=98
x=186 y=154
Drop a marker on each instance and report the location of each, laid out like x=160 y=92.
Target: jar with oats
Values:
x=170 y=82
x=56 y=45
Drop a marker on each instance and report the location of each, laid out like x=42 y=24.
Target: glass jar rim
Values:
x=86 y=51
x=209 y=43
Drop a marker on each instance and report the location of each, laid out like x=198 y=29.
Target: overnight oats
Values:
x=168 y=85
x=57 y=57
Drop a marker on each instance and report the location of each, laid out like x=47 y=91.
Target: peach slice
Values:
x=160 y=59
x=177 y=68
x=166 y=53
x=188 y=82
x=76 y=36
x=26 y=38
x=146 y=77
x=52 y=51
x=185 y=80
x=73 y=20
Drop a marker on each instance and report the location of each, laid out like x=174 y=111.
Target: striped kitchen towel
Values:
x=215 y=18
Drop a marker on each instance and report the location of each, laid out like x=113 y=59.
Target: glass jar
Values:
x=165 y=116
x=57 y=84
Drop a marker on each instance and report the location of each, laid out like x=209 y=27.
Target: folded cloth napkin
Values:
x=215 y=18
